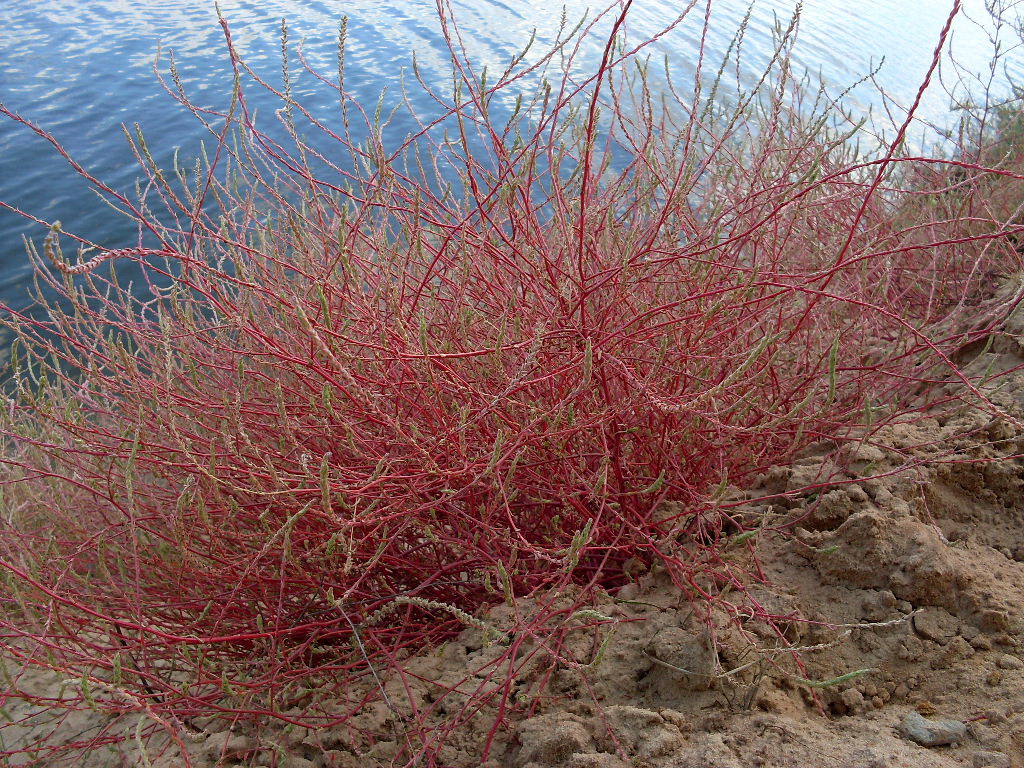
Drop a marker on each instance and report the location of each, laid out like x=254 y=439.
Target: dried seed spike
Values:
x=325 y=485
x=506 y=585
x=833 y=681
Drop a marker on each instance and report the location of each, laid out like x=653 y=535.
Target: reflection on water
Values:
x=81 y=68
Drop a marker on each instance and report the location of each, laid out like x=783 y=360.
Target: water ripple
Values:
x=83 y=67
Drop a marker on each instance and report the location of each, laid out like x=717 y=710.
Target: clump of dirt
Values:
x=885 y=577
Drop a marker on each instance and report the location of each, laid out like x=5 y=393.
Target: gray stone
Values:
x=932 y=733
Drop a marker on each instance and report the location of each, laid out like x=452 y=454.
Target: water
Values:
x=82 y=68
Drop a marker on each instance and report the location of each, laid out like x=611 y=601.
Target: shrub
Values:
x=360 y=399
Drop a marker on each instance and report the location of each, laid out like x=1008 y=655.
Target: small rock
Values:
x=680 y=720
x=1006 y=661
x=981 y=643
x=853 y=700
x=932 y=733
x=925 y=707
x=990 y=760
x=936 y=625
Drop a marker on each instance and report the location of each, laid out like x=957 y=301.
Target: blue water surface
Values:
x=82 y=69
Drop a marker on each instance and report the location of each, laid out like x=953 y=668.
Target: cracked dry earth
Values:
x=903 y=561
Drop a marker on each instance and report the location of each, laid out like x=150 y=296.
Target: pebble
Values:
x=932 y=733
x=1006 y=661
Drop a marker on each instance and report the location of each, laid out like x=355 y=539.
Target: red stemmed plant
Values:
x=363 y=398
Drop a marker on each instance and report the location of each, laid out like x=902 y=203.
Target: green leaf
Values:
x=833 y=357
x=325 y=485
x=87 y=691
x=506 y=584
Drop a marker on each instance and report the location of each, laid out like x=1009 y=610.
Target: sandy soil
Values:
x=916 y=576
